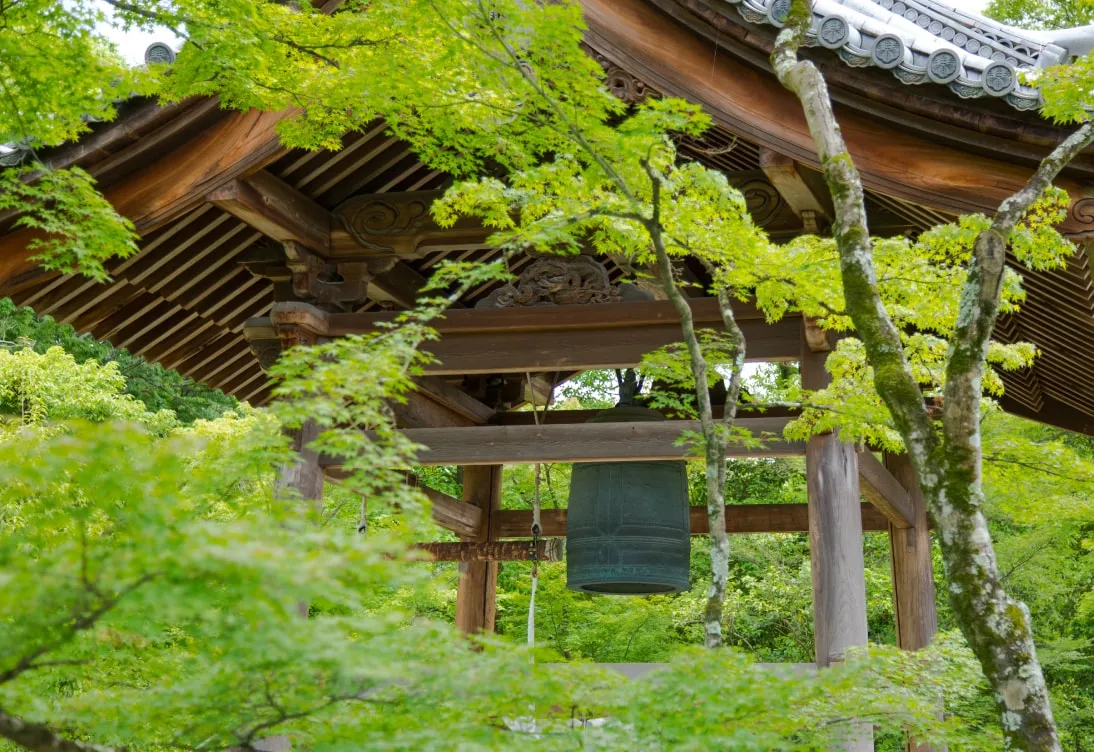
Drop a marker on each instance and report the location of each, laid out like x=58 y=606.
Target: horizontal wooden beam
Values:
x=784 y=174
x=580 y=442
x=566 y=417
x=276 y=209
x=884 y=491
x=512 y=550
x=740 y=519
x=556 y=338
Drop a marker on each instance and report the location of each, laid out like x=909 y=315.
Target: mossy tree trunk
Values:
x=715 y=436
x=947 y=457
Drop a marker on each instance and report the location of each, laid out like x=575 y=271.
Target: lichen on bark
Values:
x=947 y=458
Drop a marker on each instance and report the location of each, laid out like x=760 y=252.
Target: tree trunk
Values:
x=948 y=465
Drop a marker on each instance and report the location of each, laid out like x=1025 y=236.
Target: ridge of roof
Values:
x=924 y=41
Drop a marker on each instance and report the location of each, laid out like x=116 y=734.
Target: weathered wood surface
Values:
x=462 y=518
x=913 y=572
x=835 y=535
x=554 y=338
x=303 y=475
x=907 y=160
x=561 y=417
x=783 y=173
x=741 y=519
x=476 y=603
x=399 y=224
x=275 y=209
x=454 y=398
x=175 y=183
x=511 y=550
x=884 y=491
x=580 y=442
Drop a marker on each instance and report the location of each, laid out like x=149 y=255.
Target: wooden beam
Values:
x=913 y=576
x=420 y=411
x=281 y=212
x=398 y=224
x=545 y=550
x=913 y=571
x=741 y=519
x=835 y=537
x=476 y=594
x=177 y=182
x=569 y=417
x=784 y=174
x=885 y=492
x=581 y=442
x=908 y=158
x=555 y=338
x=463 y=519
x=302 y=475
x=460 y=517
x=276 y=209
x=454 y=398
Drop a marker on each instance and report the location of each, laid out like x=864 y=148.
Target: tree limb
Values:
x=39 y=737
x=980 y=296
x=714 y=439
x=893 y=377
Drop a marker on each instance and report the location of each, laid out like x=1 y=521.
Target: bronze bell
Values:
x=628 y=531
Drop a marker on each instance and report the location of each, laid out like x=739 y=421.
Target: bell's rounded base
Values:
x=627 y=588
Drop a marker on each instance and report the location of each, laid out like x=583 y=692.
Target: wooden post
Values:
x=913 y=574
x=835 y=536
x=475 y=599
x=304 y=474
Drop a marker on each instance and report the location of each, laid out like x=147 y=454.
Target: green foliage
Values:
x=159 y=564
x=1042 y=14
x=77 y=227
x=158 y=388
x=35 y=388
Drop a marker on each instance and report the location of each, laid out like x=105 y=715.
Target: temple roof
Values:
x=214 y=194
x=929 y=42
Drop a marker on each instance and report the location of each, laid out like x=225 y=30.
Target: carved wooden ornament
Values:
x=556 y=280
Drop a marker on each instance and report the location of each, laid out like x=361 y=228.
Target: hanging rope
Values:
x=537 y=529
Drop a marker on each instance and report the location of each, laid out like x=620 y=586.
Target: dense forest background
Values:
x=1042 y=522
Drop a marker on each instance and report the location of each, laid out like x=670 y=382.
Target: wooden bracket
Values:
x=809 y=204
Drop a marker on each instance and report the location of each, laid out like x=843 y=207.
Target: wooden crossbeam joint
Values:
x=884 y=491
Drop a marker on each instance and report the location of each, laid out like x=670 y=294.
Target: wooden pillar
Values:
x=835 y=535
x=913 y=574
x=304 y=475
x=475 y=598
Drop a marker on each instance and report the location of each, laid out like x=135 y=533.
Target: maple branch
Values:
x=39 y=737
x=893 y=376
x=980 y=296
